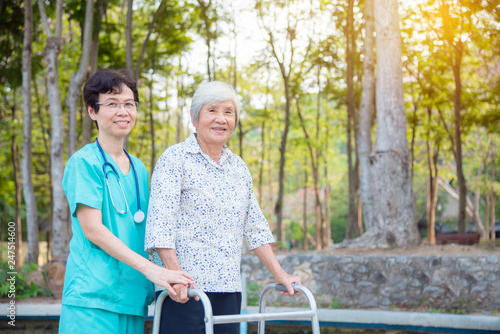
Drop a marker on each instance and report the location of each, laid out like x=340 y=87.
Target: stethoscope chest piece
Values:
x=139 y=217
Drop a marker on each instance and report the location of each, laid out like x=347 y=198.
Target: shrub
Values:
x=22 y=287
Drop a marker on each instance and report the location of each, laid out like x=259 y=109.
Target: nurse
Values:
x=107 y=285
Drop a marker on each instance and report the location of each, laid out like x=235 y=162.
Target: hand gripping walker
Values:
x=261 y=317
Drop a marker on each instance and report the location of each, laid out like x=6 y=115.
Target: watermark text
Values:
x=12 y=273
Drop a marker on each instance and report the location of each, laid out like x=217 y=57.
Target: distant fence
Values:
x=470 y=283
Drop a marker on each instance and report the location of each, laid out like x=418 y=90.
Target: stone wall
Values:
x=470 y=283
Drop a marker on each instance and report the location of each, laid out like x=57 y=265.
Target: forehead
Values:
x=125 y=94
x=220 y=104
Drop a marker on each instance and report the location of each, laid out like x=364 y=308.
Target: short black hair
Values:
x=105 y=81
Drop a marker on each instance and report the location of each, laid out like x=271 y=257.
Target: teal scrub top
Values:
x=93 y=278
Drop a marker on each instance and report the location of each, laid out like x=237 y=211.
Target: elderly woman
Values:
x=201 y=207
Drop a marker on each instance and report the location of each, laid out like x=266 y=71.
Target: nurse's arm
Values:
x=266 y=256
x=170 y=261
x=91 y=222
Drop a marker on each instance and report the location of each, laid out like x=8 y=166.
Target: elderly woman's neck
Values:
x=213 y=150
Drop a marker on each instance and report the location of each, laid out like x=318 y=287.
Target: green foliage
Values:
x=460 y=307
x=434 y=310
x=295 y=230
x=335 y=304
x=11 y=36
x=253 y=295
x=339 y=226
x=20 y=286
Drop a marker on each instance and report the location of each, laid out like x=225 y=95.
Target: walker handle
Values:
x=190 y=291
x=281 y=287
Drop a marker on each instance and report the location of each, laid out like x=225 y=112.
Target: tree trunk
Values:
x=394 y=220
x=234 y=74
x=27 y=162
x=364 y=128
x=94 y=53
x=180 y=105
x=86 y=120
x=60 y=223
x=240 y=137
x=151 y=106
x=413 y=133
x=462 y=187
x=352 y=229
x=315 y=170
x=326 y=202
x=493 y=195
x=432 y=186
x=305 y=246
x=76 y=82
x=129 y=58
x=487 y=214
x=431 y=203
x=281 y=178
x=326 y=233
x=271 y=181
x=493 y=234
x=476 y=218
x=477 y=196
x=487 y=195
x=262 y=159
x=208 y=37
x=46 y=131
x=150 y=114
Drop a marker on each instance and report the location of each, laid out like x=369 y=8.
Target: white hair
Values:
x=214 y=91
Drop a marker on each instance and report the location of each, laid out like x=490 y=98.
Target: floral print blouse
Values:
x=203 y=210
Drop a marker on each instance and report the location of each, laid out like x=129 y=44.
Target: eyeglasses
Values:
x=129 y=106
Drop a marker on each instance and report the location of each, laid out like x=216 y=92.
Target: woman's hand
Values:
x=182 y=293
x=266 y=255
x=169 y=259
x=176 y=282
x=287 y=280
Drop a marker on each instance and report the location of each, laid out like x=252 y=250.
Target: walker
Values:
x=261 y=317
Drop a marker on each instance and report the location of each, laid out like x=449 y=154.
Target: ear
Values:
x=195 y=123
x=92 y=113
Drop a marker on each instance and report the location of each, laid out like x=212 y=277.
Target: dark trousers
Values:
x=177 y=318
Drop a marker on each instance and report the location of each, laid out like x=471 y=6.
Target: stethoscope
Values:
x=139 y=215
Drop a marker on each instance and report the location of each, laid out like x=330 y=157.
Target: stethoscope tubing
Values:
x=139 y=215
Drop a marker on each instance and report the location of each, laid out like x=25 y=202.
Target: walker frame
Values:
x=261 y=317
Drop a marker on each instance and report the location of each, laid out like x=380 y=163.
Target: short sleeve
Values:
x=256 y=232
x=82 y=183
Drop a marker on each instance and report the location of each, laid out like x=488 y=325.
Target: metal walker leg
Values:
x=261 y=317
